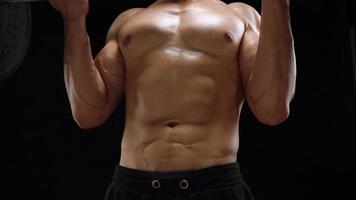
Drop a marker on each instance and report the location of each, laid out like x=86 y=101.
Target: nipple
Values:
x=127 y=40
x=228 y=37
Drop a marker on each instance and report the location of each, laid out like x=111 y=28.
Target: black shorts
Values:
x=212 y=183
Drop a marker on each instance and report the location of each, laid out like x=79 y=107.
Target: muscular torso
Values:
x=182 y=86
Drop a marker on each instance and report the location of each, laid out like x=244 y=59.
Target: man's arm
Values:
x=94 y=87
x=267 y=60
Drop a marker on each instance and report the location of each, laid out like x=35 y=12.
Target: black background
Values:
x=310 y=156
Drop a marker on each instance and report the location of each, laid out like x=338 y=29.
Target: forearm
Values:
x=85 y=87
x=273 y=80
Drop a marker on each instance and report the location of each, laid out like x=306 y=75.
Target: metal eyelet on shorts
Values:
x=183 y=184
x=156 y=184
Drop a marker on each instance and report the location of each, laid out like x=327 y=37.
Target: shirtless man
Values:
x=185 y=67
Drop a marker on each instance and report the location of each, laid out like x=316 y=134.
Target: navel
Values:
x=127 y=40
x=172 y=124
x=228 y=37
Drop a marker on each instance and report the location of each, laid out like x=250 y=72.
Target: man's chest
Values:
x=206 y=28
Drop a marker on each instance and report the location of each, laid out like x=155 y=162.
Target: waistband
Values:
x=179 y=181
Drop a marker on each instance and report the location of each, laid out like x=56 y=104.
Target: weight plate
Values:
x=15 y=35
x=19 y=1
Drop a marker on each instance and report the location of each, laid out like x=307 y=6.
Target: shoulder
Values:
x=243 y=9
x=124 y=16
x=247 y=13
x=121 y=20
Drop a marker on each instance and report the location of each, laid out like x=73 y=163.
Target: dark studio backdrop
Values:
x=46 y=156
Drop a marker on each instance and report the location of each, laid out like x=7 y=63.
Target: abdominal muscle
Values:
x=182 y=110
x=193 y=148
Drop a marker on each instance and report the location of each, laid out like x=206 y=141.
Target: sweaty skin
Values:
x=183 y=96
x=185 y=69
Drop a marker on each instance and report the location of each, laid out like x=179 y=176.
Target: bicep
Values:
x=247 y=55
x=110 y=65
x=249 y=42
x=110 y=61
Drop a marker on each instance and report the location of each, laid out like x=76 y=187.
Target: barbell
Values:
x=15 y=34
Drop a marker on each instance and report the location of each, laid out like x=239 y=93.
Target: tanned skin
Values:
x=185 y=68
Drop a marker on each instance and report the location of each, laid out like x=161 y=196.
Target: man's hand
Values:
x=71 y=9
x=286 y=2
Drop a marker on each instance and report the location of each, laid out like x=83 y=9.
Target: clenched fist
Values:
x=71 y=9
